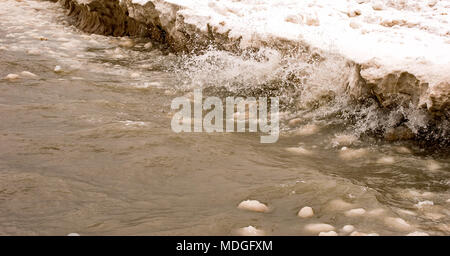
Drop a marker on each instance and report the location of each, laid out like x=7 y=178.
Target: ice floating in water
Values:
x=407 y=212
x=250 y=231
x=339 y=205
x=57 y=69
x=376 y=212
x=28 y=74
x=424 y=203
x=306 y=212
x=253 y=205
x=433 y=165
x=307 y=130
x=299 y=151
x=355 y=212
x=344 y=140
x=319 y=227
x=135 y=75
x=386 y=160
x=348 y=228
x=403 y=150
x=350 y=154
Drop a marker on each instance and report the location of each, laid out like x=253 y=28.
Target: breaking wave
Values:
x=310 y=87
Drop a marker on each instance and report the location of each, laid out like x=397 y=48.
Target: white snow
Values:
x=411 y=35
x=306 y=212
x=253 y=205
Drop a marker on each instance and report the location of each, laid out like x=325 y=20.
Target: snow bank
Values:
x=402 y=47
x=399 y=49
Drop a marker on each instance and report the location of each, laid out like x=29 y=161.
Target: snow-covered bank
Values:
x=397 y=52
x=402 y=48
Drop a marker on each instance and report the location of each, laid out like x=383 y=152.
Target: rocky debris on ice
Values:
x=253 y=205
x=319 y=227
x=12 y=77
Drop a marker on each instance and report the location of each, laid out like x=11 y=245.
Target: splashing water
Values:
x=309 y=87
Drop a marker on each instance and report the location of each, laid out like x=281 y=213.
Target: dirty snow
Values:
x=410 y=35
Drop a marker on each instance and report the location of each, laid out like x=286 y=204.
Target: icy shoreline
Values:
x=401 y=48
x=398 y=51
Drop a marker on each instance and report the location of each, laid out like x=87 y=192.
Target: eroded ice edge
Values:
x=391 y=58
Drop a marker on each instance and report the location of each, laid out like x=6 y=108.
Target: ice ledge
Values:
x=400 y=50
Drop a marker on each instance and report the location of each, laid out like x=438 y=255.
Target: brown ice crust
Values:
x=162 y=22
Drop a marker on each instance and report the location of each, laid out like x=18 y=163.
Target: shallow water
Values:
x=90 y=149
